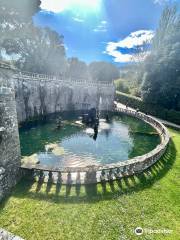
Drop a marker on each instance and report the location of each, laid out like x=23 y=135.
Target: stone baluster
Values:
x=110 y=175
x=59 y=178
x=41 y=175
x=69 y=179
x=103 y=176
x=118 y=173
x=50 y=176
x=78 y=178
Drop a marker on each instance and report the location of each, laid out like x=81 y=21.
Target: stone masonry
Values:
x=38 y=94
x=9 y=137
x=4 y=235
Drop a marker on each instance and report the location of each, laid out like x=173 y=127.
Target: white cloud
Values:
x=102 y=27
x=77 y=19
x=66 y=47
x=54 y=6
x=163 y=1
x=103 y=22
x=135 y=39
x=58 y=6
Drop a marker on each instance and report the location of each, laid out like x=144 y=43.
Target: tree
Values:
x=103 y=71
x=14 y=17
x=161 y=78
x=30 y=48
x=21 y=10
x=42 y=52
x=77 y=69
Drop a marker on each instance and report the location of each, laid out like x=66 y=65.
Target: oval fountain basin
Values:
x=74 y=145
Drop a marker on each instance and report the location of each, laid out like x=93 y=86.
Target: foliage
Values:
x=41 y=51
x=153 y=109
x=149 y=200
x=103 y=71
x=14 y=18
x=31 y=49
x=77 y=69
x=161 y=78
x=121 y=86
x=21 y=10
x=128 y=86
x=130 y=76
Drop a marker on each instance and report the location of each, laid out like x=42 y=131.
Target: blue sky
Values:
x=96 y=30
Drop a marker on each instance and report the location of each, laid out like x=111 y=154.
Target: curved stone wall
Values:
x=108 y=172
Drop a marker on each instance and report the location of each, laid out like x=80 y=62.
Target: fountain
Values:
x=111 y=139
x=100 y=106
x=91 y=117
x=59 y=123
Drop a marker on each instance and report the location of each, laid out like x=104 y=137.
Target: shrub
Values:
x=120 y=86
x=158 y=111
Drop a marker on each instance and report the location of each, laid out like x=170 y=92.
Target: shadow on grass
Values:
x=95 y=192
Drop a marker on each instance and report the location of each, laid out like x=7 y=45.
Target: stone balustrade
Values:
x=108 y=172
x=60 y=79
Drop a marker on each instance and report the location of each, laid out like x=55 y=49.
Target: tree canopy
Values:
x=77 y=69
x=30 y=48
x=161 y=78
x=42 y=50
x=103 y=71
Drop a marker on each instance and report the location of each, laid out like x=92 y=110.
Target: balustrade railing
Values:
x=59 y=78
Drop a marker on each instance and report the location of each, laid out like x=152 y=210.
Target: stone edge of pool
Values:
x=106 y=172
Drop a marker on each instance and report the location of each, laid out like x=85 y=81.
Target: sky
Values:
x=102 y=30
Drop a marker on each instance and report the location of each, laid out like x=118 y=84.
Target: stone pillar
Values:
x=9 y=136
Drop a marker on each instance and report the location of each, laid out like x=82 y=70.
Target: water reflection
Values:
x=118 y=139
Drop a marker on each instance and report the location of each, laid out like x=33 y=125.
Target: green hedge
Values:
x=135 y=102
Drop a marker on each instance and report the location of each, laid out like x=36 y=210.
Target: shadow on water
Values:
x=95 y=192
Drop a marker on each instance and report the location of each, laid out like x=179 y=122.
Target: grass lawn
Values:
x=93 y=213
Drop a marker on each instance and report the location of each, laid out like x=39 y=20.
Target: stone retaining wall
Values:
x=38 y=94
x=9 y=137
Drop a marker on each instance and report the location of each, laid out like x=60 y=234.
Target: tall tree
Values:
x=14 y=17
x=31 y=49
x=77 y=69
x=41 y=51
x=161 y=79
x=103 y=71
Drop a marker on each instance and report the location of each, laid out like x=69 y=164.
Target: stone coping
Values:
x=61 y=79
x=7 y=65
x=4 y=235
x=119 y=169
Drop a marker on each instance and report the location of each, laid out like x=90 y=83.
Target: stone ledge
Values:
x=4 y=235
x=6 y=65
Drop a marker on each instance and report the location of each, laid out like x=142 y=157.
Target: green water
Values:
x=122 y=138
